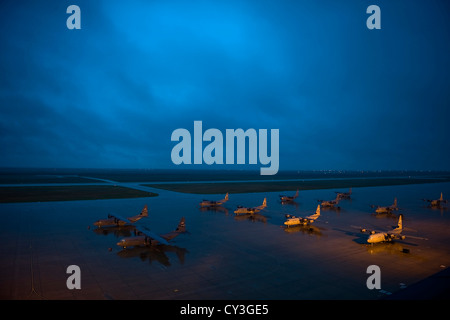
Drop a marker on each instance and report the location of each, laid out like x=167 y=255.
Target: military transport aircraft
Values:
x=148 y=238
x=388 y=209
x=376 y=237
x=212 y=203
x=330 y=203
x=436 y=203
x=114 y=220
x=296 y=221
x=344 y=195
x=244 y=210
x=388 y=236
x=286 y=199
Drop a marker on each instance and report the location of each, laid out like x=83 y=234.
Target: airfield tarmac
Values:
x=222 y=257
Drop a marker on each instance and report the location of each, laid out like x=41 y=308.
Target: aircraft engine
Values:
x=389 y=237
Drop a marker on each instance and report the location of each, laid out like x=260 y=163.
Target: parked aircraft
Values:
x=330 y=203
x=115 y=220
x=285 y=199
x=148 y=238
x=212 y=203
x=436 y=203
x=388 y=209
x=344 y=195
x=295 y=221
x=376 y=237
x=243 y=210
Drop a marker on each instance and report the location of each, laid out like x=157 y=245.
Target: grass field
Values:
x=188 y=181
x=272 y=186
x=68 y=193
x=46 y=175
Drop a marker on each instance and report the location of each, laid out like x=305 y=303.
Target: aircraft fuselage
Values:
x=385 y=209
x=110 y=222
x=291 y=222
x=241 y=210
x=207 y=203
x=378 y=237
x=436 y=203
x=328 y=203
x=136 y=241
x=383 y=237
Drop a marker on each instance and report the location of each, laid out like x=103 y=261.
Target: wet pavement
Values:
x=221 y=256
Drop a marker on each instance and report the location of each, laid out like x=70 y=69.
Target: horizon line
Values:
x=217 y=169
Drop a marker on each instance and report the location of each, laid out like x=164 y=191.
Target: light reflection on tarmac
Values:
x=221 y=256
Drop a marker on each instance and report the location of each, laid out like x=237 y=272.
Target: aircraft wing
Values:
x=154 y=236
x=396 y=231
x=364 y=230
x=119 y=218
x=313 y=217
x=418 y=238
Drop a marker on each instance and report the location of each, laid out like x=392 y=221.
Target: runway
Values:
x=222 y=257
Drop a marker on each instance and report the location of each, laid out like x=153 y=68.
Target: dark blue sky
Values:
x=110 y=95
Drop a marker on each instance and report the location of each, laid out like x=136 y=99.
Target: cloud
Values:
x=110 y=94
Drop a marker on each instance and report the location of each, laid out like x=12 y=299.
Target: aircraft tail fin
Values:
x=296 y=194
x=400 y=222
x=316 y=215
x=181 y=228
x=264 y=203
x=226 y=197
x=144 y=211
x=441 y=198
